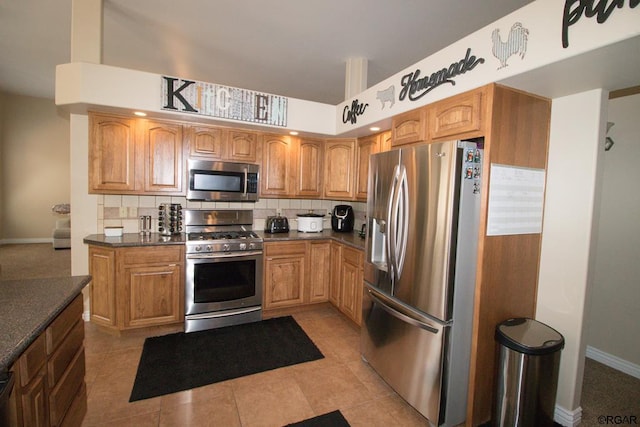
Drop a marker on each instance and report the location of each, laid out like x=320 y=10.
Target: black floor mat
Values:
x=332 y=419
x=182 y=361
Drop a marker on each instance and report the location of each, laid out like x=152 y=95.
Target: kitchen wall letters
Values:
x=351 y=114
x=411 y=83
x=224 y=102
x=601 y=10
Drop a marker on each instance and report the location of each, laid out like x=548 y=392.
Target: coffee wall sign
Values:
x=209 y=99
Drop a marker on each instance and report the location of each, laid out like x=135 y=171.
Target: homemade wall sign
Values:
x=415 y=87
x=209 y=99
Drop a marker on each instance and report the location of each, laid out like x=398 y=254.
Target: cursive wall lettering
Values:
x=602 y=9
x=415 y=87
x=351 y=114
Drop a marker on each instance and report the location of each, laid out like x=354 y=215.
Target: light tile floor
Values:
x=273 y=398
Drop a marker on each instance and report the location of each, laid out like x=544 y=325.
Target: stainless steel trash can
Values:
x=528 y=364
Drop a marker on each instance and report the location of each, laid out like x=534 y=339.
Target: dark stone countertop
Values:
x=135 y=239
x=156 y=239
x=28 y=307
x=351 y=239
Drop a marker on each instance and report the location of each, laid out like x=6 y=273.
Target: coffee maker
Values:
x=342 y=218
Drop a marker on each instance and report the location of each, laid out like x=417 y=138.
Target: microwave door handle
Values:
x=246 y=181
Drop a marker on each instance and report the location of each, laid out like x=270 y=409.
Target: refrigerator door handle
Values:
x=402 y=232
x=391 y=229
x=402 y=314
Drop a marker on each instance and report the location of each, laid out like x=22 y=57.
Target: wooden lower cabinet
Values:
x=285 y=271
x=334 y=282
x=319 y=271
x=50 y=388
x=137 y=287
x=351 y=287
x=299 y=273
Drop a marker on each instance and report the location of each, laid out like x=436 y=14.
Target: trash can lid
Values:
x=529 y=336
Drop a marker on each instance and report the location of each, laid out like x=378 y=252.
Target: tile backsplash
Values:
x=123 y=210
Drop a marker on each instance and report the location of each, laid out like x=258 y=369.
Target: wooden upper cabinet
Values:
x=278 y=173
x=216 y=143
x=163 y=152
x=242 y=146
x=459 y=115
x=205 y=141
x=409 y=127
x=310 y=153
x=112 y=154
x=366 y=147
x=339 y=169
x=135 y=156
x=384 y=141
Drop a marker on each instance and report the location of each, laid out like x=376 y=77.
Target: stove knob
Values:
x=252 y=245
x=198 y=248
x=243 y=246
x=226 y=247
x=209 y=248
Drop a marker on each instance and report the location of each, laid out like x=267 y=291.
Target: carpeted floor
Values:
x=33 y=260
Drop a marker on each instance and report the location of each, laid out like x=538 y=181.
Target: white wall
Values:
x=615 y=295
x=570 y=214
x=35 y=167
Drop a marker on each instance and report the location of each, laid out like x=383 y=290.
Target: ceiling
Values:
x=292 y=48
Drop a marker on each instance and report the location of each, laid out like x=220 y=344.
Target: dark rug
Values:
x=182 y=361
x=332 y=419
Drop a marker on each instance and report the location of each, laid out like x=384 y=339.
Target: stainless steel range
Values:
x=223 y=269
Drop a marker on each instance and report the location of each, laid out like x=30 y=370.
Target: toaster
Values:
x=276 y=224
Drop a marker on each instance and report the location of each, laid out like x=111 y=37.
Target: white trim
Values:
x=567 y=418
x=26 y=240
x=613 y=362
x=86 y=315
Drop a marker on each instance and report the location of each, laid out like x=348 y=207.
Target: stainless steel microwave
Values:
x=225 y=181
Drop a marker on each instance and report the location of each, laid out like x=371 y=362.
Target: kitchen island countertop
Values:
x=135 y=239
x=28 y=307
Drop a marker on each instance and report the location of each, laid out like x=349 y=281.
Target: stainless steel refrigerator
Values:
x=423 y=211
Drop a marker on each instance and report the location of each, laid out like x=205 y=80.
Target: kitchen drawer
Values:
x=66 y=320
x=151 y=255
x=63 y=394
x=63 y=356
x=32 y=360
x=352 y=256
x=285 y=248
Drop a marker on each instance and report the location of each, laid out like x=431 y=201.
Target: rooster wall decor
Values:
x=516 y=44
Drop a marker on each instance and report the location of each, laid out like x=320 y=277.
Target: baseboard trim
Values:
x=28 y=240
x=613 y=362
x=567 y=418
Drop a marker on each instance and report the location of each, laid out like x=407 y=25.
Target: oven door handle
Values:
x=223 y=255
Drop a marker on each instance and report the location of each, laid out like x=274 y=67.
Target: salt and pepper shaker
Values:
x=145 y=224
